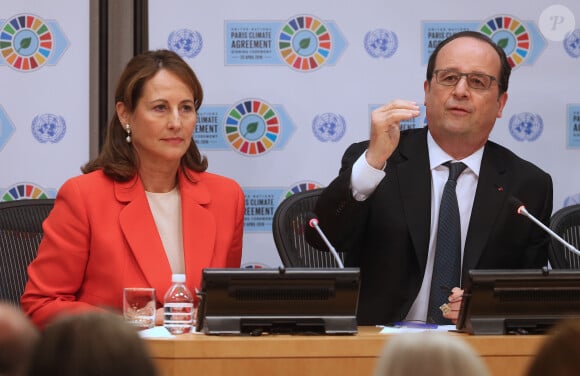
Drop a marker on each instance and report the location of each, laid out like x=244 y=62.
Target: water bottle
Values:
x=178 y=309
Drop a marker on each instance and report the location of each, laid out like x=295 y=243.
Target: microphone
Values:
x=313 y=222
x=521 y=209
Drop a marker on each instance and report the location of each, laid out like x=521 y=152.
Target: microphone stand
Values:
x=522 y=210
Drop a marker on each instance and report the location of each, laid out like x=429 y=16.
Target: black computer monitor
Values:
x=518 y=301
x=293 y=300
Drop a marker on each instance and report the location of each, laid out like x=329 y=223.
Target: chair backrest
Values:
x=20 y=234
x=566 y=223
x=288 y=226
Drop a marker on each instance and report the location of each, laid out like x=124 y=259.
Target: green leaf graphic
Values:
x=304 y=43
x=503 y=42
x=251 y=128
x=25 y=42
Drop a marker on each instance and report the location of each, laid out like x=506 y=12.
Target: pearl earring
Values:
x=128 y=130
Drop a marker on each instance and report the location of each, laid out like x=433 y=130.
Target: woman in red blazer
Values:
x=145 y=207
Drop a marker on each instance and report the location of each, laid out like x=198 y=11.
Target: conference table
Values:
x=336 y=355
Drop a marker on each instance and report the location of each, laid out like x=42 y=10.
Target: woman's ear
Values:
x=122 y=113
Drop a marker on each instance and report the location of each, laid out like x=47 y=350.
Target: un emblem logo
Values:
x=48 y=128
x=328 y=127
x=572 y=43
x=185 y=43
x=526 y=126
x=381 y=43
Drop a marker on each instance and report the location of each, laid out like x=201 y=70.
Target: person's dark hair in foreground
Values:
x=559 y=355
x=429 y=353
x=18 y=336
x=91 y=344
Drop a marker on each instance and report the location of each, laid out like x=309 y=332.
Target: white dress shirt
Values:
x=365 y=179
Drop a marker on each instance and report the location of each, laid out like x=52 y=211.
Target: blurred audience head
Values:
x=429 y=353
x=18 y=336
x=559 y=355
x=91 y=344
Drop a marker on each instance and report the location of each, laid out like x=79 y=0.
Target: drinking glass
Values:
x=139 y=306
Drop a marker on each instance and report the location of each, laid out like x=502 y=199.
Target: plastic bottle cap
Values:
x=178 y=278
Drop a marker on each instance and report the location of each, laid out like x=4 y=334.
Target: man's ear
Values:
x=502 y=100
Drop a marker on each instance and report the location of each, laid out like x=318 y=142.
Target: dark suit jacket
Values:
x=387 y=235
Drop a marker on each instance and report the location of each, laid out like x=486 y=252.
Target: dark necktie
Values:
x=447 y=262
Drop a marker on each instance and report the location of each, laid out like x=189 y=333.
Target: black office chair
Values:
x=20 y=234
x=566 y=223
x=288 y=225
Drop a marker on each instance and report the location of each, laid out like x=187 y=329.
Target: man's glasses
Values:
x=478 y=81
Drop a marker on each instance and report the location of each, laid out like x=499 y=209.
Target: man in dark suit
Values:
x=383 y=207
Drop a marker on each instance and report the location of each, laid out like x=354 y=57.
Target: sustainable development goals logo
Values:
x=510 y=34
x=305 y=43
x=27 y=42
x=252 y=127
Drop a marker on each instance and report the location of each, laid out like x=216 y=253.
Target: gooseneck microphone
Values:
x=313 y=222
x=521 y=209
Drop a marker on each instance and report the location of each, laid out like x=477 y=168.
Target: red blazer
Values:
x=101 y=237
